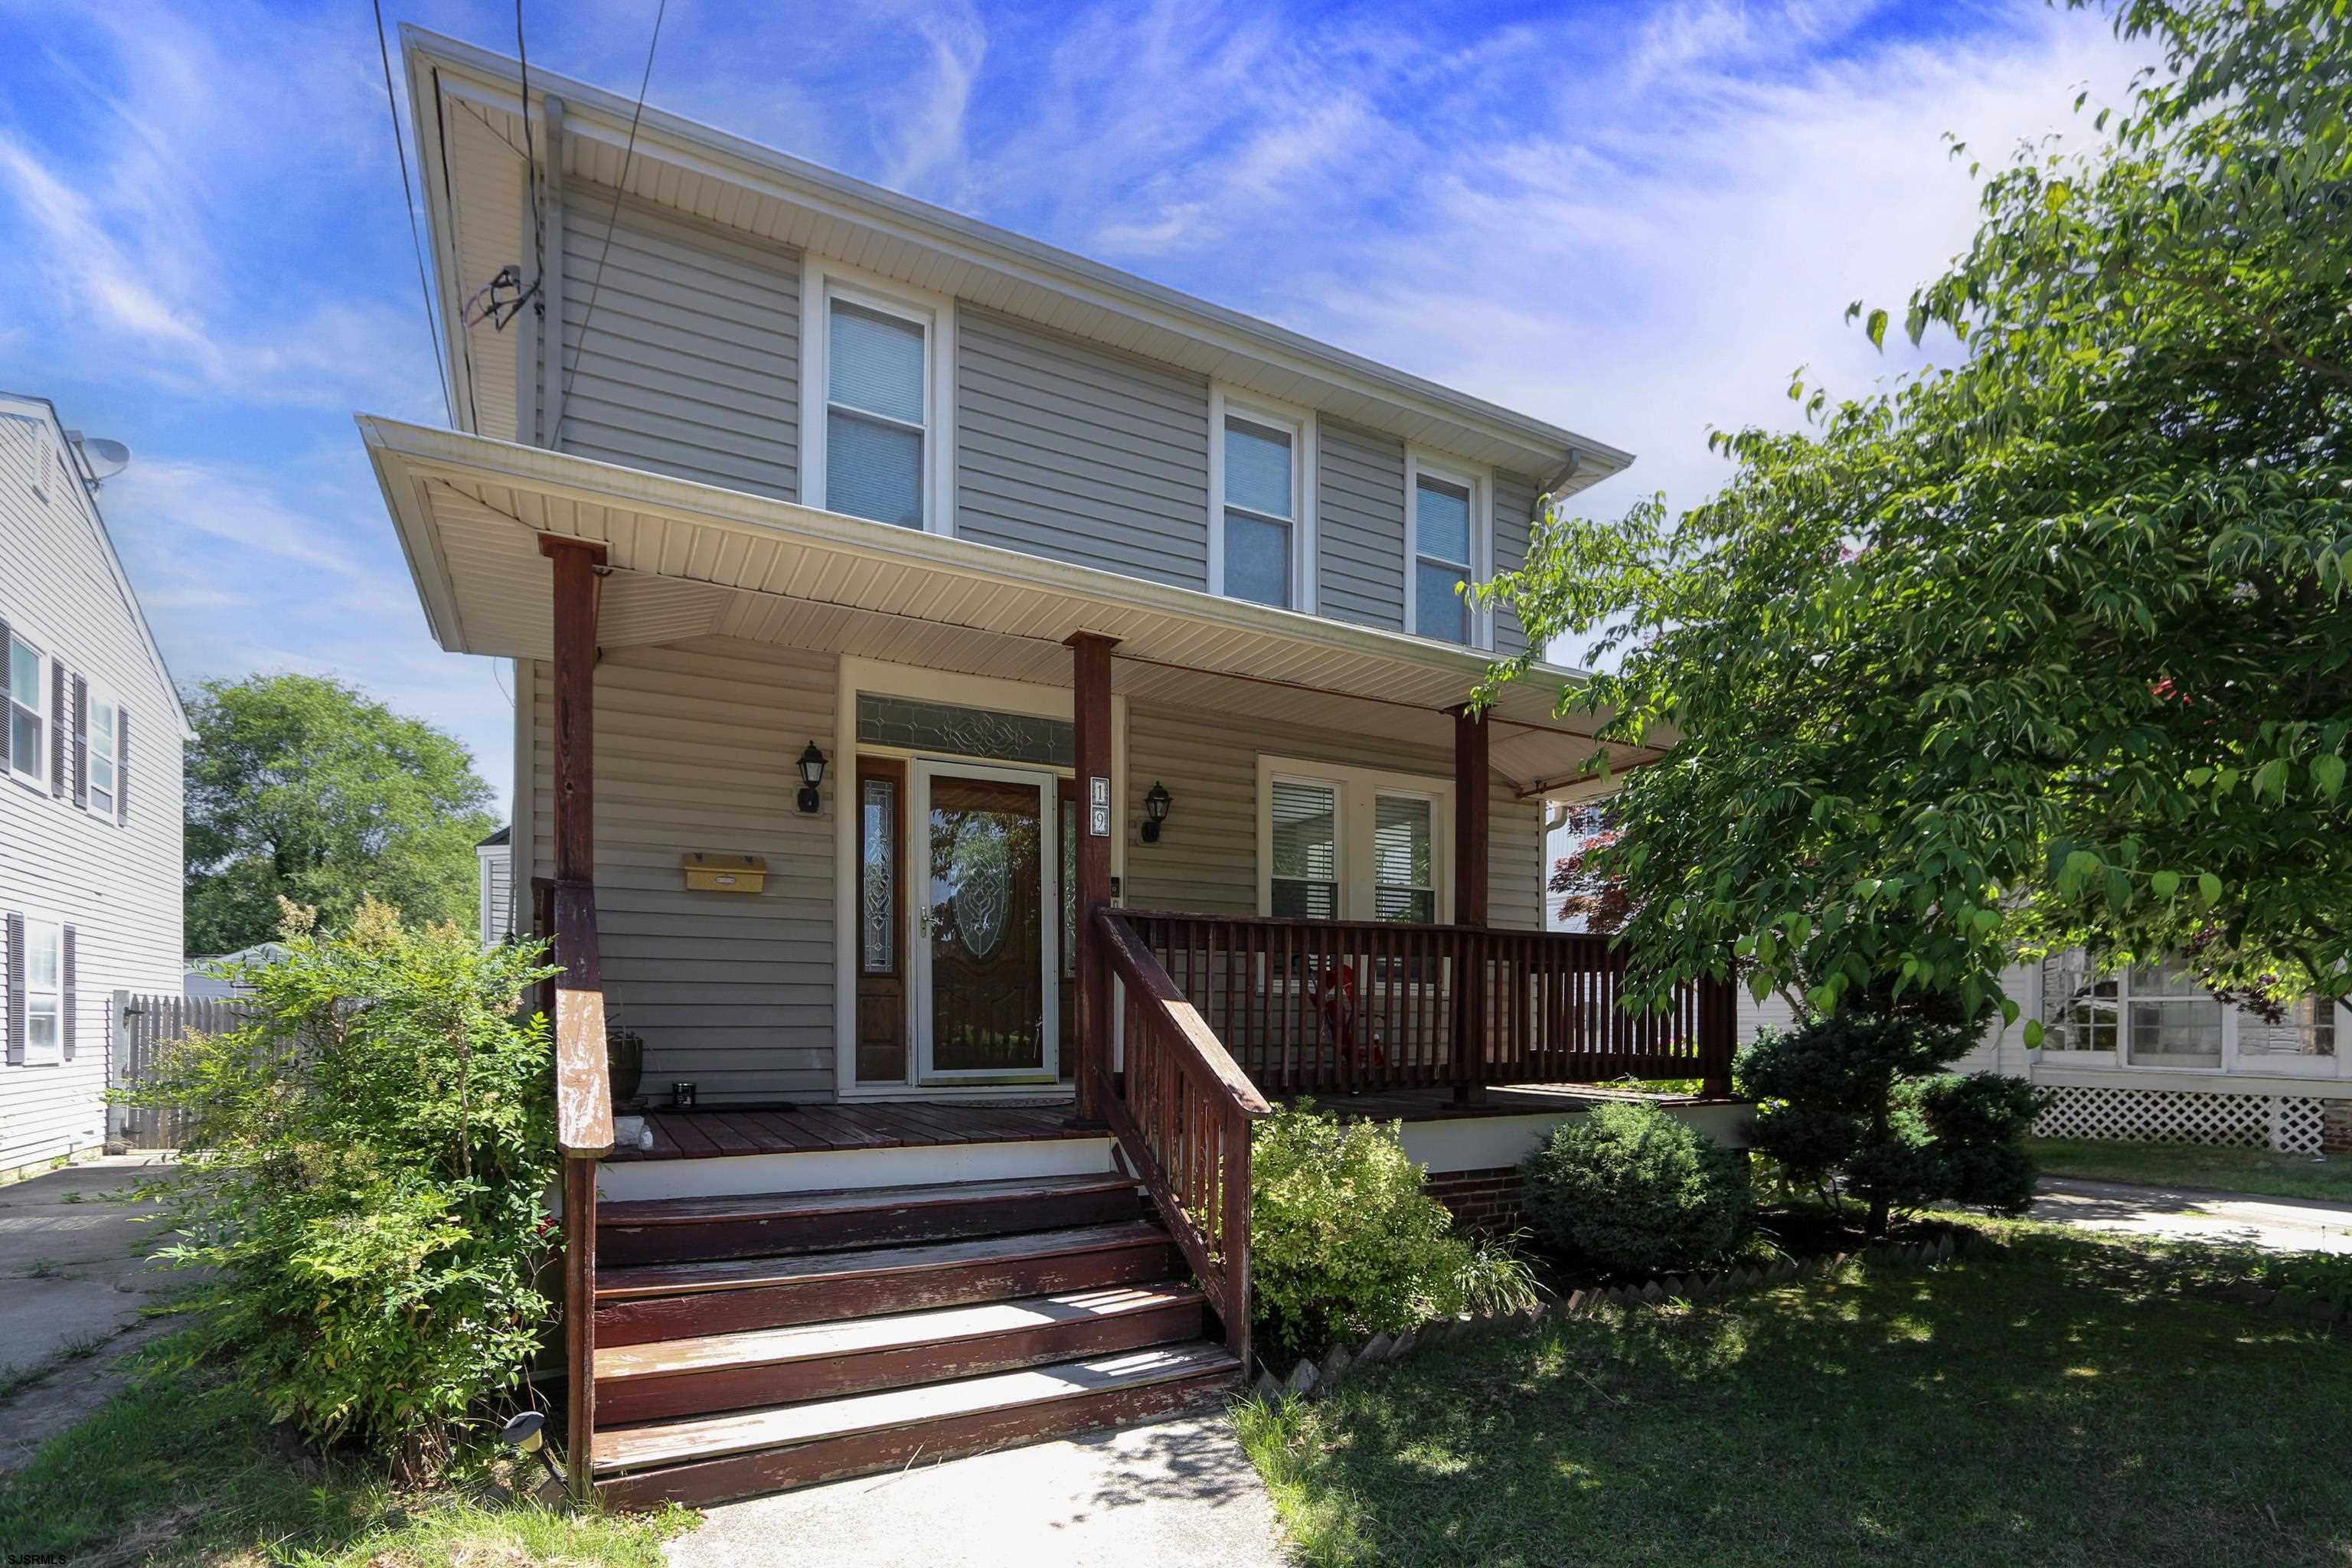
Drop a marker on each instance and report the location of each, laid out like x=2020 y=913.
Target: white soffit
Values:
x=690 y=560
x=770 y=195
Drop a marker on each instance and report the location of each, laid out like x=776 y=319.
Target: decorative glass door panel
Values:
x=987 y=982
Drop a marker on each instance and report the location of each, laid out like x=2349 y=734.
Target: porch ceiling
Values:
x=693 y=561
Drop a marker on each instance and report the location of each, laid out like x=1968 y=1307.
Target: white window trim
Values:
x=92 y=695
x=1480 y=482
x=1358 y=791
x=38 y=780
x=1300 y=422
x=823 y=281
x=56 y=1053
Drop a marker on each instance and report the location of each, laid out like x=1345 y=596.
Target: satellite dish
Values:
x=106 y=458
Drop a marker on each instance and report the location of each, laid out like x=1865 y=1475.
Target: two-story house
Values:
x=984 y=722
x=90 y=808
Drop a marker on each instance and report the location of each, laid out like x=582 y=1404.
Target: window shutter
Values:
x=7 y=728
x=58 y=727
x=68 y=997
x=15 y=990
x=122 y=764
x=81 y=741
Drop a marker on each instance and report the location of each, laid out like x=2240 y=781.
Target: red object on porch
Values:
x=1335 y=993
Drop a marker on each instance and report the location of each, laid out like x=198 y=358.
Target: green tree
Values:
x=2047 y=646
x=302 y=788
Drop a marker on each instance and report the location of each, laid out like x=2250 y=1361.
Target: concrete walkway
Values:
x=72 y=1281
x=2186 y=1214
x=1179 y=1493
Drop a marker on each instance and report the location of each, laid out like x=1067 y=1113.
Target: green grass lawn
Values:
x=2197 y=1166
x=2043 y=1399
x=183 y=1471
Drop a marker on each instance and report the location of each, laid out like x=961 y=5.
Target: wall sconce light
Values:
x=812 y=775
x=1155 y=811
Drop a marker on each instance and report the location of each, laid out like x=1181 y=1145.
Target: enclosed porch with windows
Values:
x=967 y=909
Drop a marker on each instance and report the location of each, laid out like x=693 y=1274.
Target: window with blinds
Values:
x=1403 y=885
x=1306 y=869
x=876 y=414
x=1261 y=508
x=1441 y=566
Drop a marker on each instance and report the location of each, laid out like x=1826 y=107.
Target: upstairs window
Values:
x=1261 y=465
x=876 y=412
x=29 y=729
x=1441 y=564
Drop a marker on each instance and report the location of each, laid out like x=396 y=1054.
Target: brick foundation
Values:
x=1481 y=1200
x=2336 y=1128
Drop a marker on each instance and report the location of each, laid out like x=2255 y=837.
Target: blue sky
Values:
x=1635 y=220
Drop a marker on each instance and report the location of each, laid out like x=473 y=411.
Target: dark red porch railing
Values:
x=1345 y=1006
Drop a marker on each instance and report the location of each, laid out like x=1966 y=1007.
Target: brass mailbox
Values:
x=725 y=873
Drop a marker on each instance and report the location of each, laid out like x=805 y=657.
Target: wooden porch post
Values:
x=1097 y=809
x=576 y=561
x=1471 y=805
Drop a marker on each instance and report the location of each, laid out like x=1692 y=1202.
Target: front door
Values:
x=986 y=1003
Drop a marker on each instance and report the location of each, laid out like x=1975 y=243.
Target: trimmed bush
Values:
x=1345 y=1243
x=365 y=1180
x=1637 y=1191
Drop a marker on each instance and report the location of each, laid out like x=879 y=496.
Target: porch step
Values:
x=858 y=1355
x=662 y=1230
x=733 y=1455
x=679 y=1300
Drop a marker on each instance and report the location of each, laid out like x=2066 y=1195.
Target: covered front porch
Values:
x=956 y=897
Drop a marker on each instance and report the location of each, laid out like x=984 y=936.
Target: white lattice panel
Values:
x=2290 y=1123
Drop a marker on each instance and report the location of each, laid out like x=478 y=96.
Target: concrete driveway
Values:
x=1178 y=1492
x=72 y=1282
x=2185 y=1213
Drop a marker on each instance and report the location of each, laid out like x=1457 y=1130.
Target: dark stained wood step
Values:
x=825 y=1360
x=658 y=1230
x=712 y=1457
x=677 y=1300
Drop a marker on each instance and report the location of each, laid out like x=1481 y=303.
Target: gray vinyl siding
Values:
x=690 y=365
x=1360 y=523
x=1079 y=454
x=695 y=745
x=1206 y=859
x=1515 y=505
x=118 y=886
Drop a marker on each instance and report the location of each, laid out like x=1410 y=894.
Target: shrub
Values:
x=1855 y=1103
x=363 y=1179
x=1344 y=1243
x=1637 y=1191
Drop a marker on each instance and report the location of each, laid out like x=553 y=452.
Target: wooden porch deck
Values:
x=710 y=1132
x=717 y=1131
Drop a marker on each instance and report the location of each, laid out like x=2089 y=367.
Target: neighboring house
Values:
x=2146 y=1053
x=90 y=809
x=894 y=601
x=494 y=885
x=201 y=983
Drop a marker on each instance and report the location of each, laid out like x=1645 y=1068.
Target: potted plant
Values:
x=625 y=1061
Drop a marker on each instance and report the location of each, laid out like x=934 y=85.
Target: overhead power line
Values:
x=612 y=219
x=408 y=201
